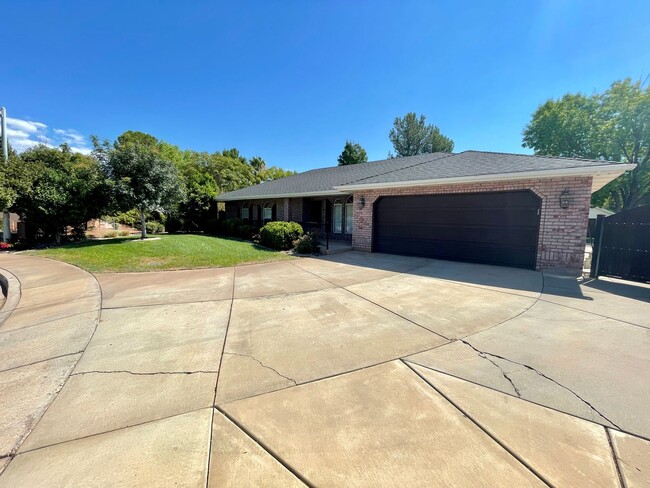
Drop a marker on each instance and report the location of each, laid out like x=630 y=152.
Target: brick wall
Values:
x=562 y=233
x=233 y=209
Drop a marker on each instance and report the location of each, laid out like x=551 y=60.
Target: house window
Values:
x=337 y=217
x=267 y=212
x=349 y=213
x=245 y=215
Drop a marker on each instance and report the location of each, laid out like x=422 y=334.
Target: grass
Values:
x=168 y=252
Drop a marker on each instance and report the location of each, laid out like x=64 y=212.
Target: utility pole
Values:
x=6 y=230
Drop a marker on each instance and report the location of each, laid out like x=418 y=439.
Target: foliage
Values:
x=352 y=153
x=15 y=179
x=279 y=234
x=613 y=125
x=6 y=246
x=66 y=190
x=305 y=244
x=411 y=136
x=184 y=251
x=143 y=179
x=236 y=228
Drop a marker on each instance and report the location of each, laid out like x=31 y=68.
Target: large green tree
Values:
x=352 y=153
x=142 y=176
x=411 y=135
x=613 y=125
x=65 y=189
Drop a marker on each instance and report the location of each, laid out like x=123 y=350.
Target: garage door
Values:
x=493 y=228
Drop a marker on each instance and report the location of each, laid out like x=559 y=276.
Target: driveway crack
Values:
x=503 y=373
x=136 y=373
x=262 y=364
x=530 y=368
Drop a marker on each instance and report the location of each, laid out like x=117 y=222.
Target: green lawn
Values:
x=168 y=252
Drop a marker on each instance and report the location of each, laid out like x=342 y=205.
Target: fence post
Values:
x=597 y=245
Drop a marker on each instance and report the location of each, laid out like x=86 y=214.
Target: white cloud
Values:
x=23 y=134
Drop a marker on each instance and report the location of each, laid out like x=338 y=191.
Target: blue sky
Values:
x=292 y=80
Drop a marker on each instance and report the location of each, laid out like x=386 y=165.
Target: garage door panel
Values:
x=494 y=228
x=478 y=234
x=463 y=216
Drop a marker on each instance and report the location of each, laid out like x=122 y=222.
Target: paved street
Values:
x=350 y=370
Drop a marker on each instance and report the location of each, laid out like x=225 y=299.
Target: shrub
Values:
x=305 y=244
x=246 y=231
x=110 y=233
x=123 y=233
x=231 y=227
x=280 y=235
x=154 y=227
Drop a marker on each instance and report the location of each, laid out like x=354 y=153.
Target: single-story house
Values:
x=495 y=208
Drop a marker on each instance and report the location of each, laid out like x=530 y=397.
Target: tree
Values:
x=258 y=165
x=66 y=189
x=143 y=179
x=275 y=173
x=352 y=153
x=15 y=179
x=411 y=136
x=613 y=126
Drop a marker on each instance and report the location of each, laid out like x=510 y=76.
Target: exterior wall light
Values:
x=564 y=199
x=362 y=202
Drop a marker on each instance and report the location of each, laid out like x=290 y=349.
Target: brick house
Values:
x=494 y=208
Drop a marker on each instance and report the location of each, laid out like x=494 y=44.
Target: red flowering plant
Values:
x=5 y=246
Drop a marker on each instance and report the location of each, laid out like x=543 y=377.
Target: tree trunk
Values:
x=143 y=222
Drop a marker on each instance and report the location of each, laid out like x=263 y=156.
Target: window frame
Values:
x=267 y=206
x=337 y=226
x=349 y=215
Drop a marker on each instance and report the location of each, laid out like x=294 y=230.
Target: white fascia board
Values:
x=613 y=170
x=283 y=195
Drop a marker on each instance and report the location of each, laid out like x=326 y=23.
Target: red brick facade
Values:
x=562 y=233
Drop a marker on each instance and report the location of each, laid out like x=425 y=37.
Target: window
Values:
x=349 y=213
x=267 y=212
x=337 y=217
x=245 y=215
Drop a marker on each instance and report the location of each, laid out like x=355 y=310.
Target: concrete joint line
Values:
x=266 y=448
x=376 y=304
x=594 y=313
x=42 y=361
x=530 y=368
x=617 y=459
x=261 y=364
x=481 y=428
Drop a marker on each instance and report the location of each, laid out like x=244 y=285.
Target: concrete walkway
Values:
x=351 y=370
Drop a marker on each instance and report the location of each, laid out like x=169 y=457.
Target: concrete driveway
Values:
x=351 y=370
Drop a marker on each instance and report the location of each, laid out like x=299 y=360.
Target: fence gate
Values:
x=622 y=245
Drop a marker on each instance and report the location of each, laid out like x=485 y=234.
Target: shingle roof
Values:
x=423 y=167
x=325 y=179
x=478 y=163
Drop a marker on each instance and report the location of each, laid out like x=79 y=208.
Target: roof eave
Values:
x=601 y=174
x=323 y=193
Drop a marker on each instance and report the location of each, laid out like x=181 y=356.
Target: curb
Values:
x=11 y=289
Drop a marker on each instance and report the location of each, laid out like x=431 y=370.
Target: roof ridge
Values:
x=446 y=155
x=546 y=156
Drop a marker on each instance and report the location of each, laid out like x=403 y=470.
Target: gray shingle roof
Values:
x=325 y=179
x=478 y=163
x=436 y=166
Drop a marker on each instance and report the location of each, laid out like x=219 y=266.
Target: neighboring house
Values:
x=14 y=220
x=494 y=208
x=594 y=212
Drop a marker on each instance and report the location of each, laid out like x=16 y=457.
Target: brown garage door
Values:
x=492 y=228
